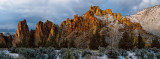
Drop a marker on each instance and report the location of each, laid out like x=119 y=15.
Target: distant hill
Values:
x=149 y=18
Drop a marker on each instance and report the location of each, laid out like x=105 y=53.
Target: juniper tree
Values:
x=126 y=42
x=155 y=43
x=97 y=40
x=141 y=43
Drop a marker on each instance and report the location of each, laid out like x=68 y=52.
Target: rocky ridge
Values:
x=82 y=29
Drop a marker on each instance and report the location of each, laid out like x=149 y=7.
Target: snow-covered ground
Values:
x=13 y=55
x=95 y=54
x=131 y=55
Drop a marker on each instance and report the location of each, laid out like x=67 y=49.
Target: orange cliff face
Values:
x=80 y=23
x=54 y=32
x=21 y=32
x=43 y=31
x=98 y=12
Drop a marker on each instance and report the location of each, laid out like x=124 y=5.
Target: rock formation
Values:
x=54 y=32
x=2 y=39
x=80 y=29
x=42 y=31
x=109 y=11
x=22 y=32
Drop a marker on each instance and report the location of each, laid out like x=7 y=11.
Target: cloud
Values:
x=147 y=3
x=12 y=11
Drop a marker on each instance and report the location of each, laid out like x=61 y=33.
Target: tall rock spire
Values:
x=22 y=32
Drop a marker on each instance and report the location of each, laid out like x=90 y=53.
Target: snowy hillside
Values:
x=149 y=18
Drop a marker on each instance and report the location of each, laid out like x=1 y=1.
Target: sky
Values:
x=13 y=11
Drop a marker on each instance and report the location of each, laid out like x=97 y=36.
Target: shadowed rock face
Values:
x=5 y=41
x=42 y=31
x=54 y=32
x=41 y=34
x=22 y=32
x=2 y=39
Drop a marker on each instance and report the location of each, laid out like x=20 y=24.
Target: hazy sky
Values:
x=12 y=11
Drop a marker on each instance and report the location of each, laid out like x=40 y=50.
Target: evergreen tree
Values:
x=97 y=40
x=64 y=43
x=23 y=43
x=126 y=42
x=155 y=43
x=51 y=42
x=2 y=45
x=71 y=44
x=141 y=43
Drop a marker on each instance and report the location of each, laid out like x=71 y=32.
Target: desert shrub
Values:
x=51 y=53
x=158 y=55
x=155 y=50
x=123 y=52
x=150 y=55
x=26 y=52
x=138 y=53
x=12 y=50
x=144 y=51
x=36 y=53
x=73 y=49
x=75 y=53
x=42 y=50
x=141 y=53
x=86 y=52
x=3 y=55
x=112 y=53
x=63 y=50
x=45 y=53
x=101 y=51
x=72 y=53
x=134 y=49
x=68 y=55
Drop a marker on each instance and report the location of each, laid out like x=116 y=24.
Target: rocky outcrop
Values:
x=80 y=29
x=109 y=11
x=42 y=31
x=22 y=32
x=54 y=32
x=32 y=34
x=5 y=40
x=82 y=23
x=2 y=39
x=115 y=15
x=98 y=12
x=119 y=17
x=39 y=32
